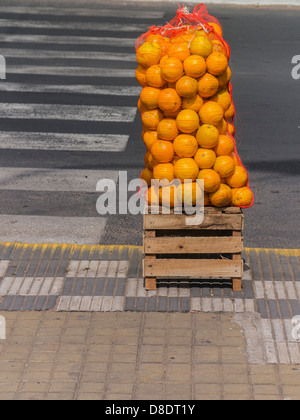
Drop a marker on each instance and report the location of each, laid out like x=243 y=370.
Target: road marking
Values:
x=39 y=179
x=69 y=71
x=96 y=26
x=83 y=55
x=63 y=11
x=76 y=40
x=50 y=229
x=63 y=141
x=78 y=89
x=67 y=112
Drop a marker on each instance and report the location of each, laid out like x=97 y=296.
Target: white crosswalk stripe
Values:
x=52 y=130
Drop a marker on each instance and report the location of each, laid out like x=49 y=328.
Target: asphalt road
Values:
x=59 y=60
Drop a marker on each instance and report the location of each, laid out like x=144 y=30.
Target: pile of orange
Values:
x=187 y=114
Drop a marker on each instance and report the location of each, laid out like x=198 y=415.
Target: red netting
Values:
x=183 y=29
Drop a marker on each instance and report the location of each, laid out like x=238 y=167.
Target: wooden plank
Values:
x=193 y=245
x=178 y=221
x=150 y=283
x=189 y=268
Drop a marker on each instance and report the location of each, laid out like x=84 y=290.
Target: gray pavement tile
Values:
x=262 y=308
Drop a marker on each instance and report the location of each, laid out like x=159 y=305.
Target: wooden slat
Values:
x=178 y=221
x=193 y=245
x=189 y=268
x=215 y=210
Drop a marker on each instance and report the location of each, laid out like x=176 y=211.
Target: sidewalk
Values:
x=79 y=325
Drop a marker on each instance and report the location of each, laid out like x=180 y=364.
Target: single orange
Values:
x=207 y=136
x=231 y=129
x=217 y=28
x=211 y=178
x=224 y=165
x=154 y=76
x=211 y=113
x=216 y=63
x=201 y=45
x=225 y=146
x=163 y=171
x=149 y=160
x=140 y=75
x=242 y=197
x=185 y=145
x=153 y=196
x=222 y=98
x=208 y=85
x=169 y=100
x=151 y=118
x=225 y=78
x=167 y=129
x=148 y=54
x=149 y=97
x=229 y=114
x=239 y=178
x=222 y=197
x=187 y=121
x=194 y=66
x=187 y=87
x=172 y=69
x=205 y=158
x=222 y=126
x=147 y=175
x=185 y=168
x=162 y=151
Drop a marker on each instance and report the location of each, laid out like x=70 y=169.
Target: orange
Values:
x=231 y=129
x=168 y=196
x=149 y=97
x=169 y=100
x=225 y=146
x=242 y=197
x=149 y=161
x=236 y=159
x=180 y=51
x=225 y=166
x=195 y=103
x=150 y=137
x=218 y=46
x=206 y=199
x=239 y=178
x=187 y=121
x=189 y=193
x=211 y=178
x=140 y=75
x=187 y=87
x=211 y=113
x=208 y=85
x=225 y=78
x=147 y=175
x=162 y=151
x=217 y=28
x=172 y=69
x=216 y=63
x=205 y=158
x=229 y=114
x=153 y=196
x=222 y=98
x=167 y=129
x=222 y=197
x=154 y=76
x=201 y=45
x=164 y=171
x=148 y=54
x=160 y=40
x=151 y=119
x=194 y=66
x=141 y=107
x=185 y=145
x=185 y=168
x=207 y=136
x=222 y=126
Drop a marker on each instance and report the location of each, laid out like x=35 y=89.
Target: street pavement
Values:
x=68 y=118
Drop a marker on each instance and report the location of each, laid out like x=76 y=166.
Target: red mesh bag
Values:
x=187 y=110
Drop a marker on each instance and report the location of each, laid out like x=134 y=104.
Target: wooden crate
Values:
x=173 y=249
